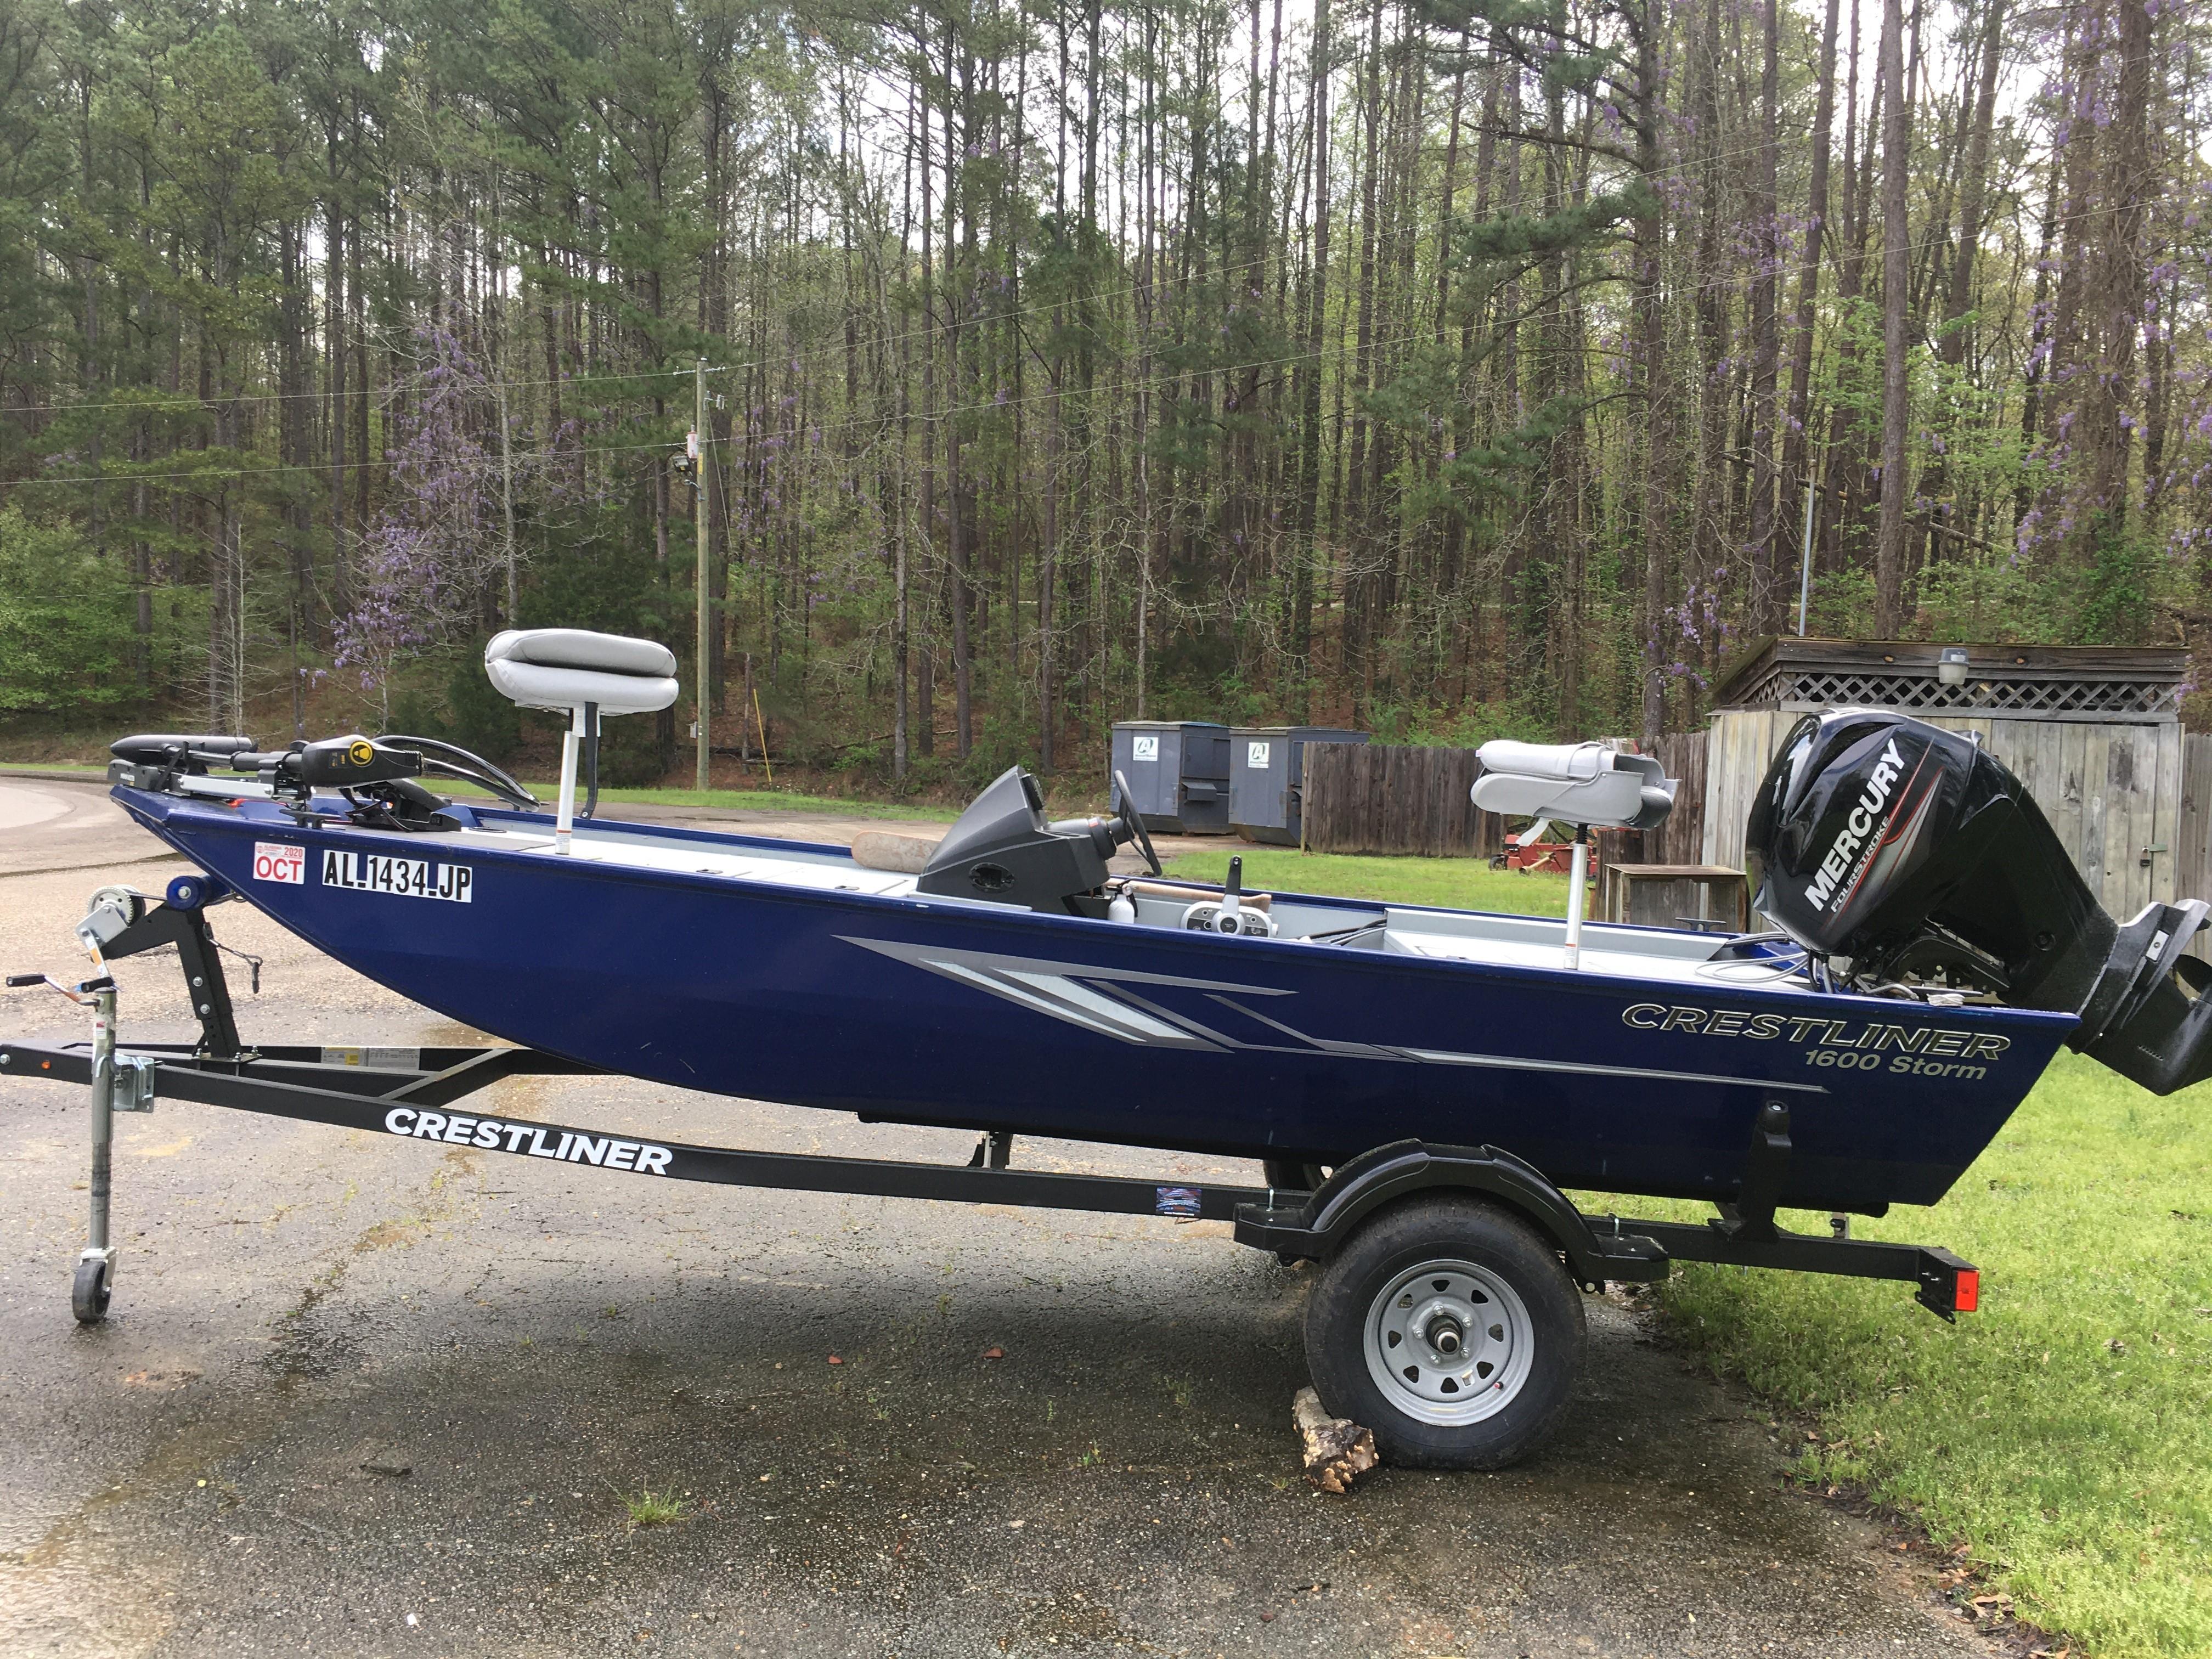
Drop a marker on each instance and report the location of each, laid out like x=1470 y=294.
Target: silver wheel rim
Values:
x=1448 y=1342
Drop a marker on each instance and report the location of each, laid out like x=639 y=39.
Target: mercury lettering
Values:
x=1865 y=817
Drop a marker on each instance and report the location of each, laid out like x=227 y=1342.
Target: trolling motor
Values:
x=376 y=776
x=1908 y=857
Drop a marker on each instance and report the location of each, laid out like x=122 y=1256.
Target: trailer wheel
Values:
x=1449 y=1327
x=88 y=1294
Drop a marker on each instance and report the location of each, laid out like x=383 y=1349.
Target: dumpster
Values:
x=1266 y=778
x=1178 y=770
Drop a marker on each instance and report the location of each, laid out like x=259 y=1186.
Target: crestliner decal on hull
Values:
x=1102 y=999
x=1820 y=1032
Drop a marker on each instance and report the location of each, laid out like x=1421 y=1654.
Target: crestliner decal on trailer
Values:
x=367 y=873
x=639 y=1157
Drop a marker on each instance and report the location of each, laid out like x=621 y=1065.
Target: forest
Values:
x=1449 y=368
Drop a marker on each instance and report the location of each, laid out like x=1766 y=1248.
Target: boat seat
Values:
x=1585 y=784
x=565 y=668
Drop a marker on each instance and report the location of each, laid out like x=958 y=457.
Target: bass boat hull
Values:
x=786 y=972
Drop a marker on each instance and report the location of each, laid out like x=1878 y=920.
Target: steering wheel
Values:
x=1135 y=824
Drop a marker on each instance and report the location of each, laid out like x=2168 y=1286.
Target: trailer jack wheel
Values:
x=89 y=1296
x=1449 y=1327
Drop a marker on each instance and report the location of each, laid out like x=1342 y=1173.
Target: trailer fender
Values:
x=1316 y=1230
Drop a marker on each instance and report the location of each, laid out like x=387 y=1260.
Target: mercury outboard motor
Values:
x=1899 y=852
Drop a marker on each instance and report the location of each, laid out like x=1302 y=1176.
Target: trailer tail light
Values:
x=1966 y=1296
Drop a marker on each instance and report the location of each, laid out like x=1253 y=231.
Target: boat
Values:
x=1929 y=959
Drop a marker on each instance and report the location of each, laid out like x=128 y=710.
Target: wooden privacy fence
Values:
x=2192 y=840
x=1387 y=798
x=2136 y=830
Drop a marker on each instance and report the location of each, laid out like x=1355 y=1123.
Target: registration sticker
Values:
x=1181 y=1202
x=370 y=872
x=275 y=861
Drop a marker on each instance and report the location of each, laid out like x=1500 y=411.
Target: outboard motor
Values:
x=1900 y=852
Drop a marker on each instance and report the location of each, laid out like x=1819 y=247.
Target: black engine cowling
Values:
x=1903 y=852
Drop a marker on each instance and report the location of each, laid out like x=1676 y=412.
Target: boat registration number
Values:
x=370 y=872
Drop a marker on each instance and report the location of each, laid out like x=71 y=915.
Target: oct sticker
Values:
x=1255 y=757
x=1144 y=746
x=274 y=861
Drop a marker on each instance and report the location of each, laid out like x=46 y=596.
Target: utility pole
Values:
x=699 y=464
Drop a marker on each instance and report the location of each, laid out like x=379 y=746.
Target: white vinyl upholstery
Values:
x=563 y=668
x=1570 y=762
x=1581 y=783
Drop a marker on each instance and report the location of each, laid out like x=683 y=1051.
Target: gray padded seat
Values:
x=565 y=668
x=1579 y=783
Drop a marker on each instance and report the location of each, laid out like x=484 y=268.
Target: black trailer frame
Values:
x=408 y=1091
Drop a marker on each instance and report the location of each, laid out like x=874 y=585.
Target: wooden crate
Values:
x=1676 y=895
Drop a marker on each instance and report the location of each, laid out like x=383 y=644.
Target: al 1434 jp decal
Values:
x=370 y=872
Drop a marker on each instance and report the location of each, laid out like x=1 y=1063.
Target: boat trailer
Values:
x=412 y=1092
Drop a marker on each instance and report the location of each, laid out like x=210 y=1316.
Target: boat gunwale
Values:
x=221 y=818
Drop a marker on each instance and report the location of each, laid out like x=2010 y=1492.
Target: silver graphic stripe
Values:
x=1104 y=1000
x=1447 y=1057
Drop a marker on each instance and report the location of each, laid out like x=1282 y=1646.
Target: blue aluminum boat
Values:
x=784 y=971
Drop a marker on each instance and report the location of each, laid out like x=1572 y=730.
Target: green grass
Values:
x=1461 y=884
x=46 y=766
x=651 y=1509
x=2064 y=1432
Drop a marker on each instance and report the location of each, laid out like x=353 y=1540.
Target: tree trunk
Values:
x=1796 y=441
x=1896 y=277
x=1650 y=336
x=1766 y=344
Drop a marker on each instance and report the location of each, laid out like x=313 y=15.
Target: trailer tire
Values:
x=1450 y=1327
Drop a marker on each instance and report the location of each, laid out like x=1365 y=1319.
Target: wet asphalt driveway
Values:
x=359 y=1396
